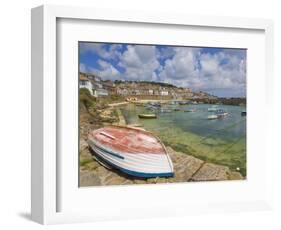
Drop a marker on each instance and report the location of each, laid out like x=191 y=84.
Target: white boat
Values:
x=132 y=151
x=212 y=117
x=190 y=110
x=222 y=115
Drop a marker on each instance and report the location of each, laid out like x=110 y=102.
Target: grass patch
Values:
x=85 y=161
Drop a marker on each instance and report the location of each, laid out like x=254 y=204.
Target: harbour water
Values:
x=221 y=141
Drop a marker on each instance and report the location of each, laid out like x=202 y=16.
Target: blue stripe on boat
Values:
x=134 y=173
x=107 y=151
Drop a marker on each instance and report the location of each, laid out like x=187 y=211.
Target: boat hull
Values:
x=134 y=162
x=212 y=117
x=147 y=116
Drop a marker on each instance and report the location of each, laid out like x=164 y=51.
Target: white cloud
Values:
x=182 y=68
x=190 y=67
x=101 y=50
x=139 y=62
x=219 y=72
x=83 y=68
x=107 y=71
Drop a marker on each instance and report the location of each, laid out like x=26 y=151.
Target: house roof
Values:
x=83 y=78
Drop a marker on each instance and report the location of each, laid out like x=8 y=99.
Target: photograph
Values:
x=154 y=114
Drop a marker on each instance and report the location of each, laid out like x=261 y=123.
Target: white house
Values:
x=85 y=83
x=93 y=77
x=122 y=92
x=101 y=92
x=164 y=93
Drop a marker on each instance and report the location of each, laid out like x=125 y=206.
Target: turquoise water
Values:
x=221 y=141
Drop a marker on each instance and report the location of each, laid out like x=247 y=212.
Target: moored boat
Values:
x=147 y=115
x=183 y=102
x=243 y=113
x=212 y=117
x=190 y=110
x=221 y=113
x=132 y=151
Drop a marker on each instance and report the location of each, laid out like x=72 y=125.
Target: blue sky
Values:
x=219 y=71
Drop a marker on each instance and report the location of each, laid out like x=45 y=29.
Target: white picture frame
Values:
x=47 y=182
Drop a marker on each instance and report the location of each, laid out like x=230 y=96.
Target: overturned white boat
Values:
x=131 y=150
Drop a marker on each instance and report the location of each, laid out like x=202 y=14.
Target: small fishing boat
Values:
x=151 y=107
x=154 y=104
x=243 y=113
x=132 y=151
x=221 y=113
x=190 y=110
x=183 y=102
x=147 y=115
x=212 y=117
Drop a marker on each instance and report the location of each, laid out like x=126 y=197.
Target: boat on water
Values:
x=220 y=113
x=132 y=151
x=165 y=110
x=243 y=113
x=147 y=115
x=212 y=117
x=151 y=107
x=189 y=110
x=154 y=104
x=183 y=102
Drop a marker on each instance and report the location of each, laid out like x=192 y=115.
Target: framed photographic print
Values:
x=137 y=114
